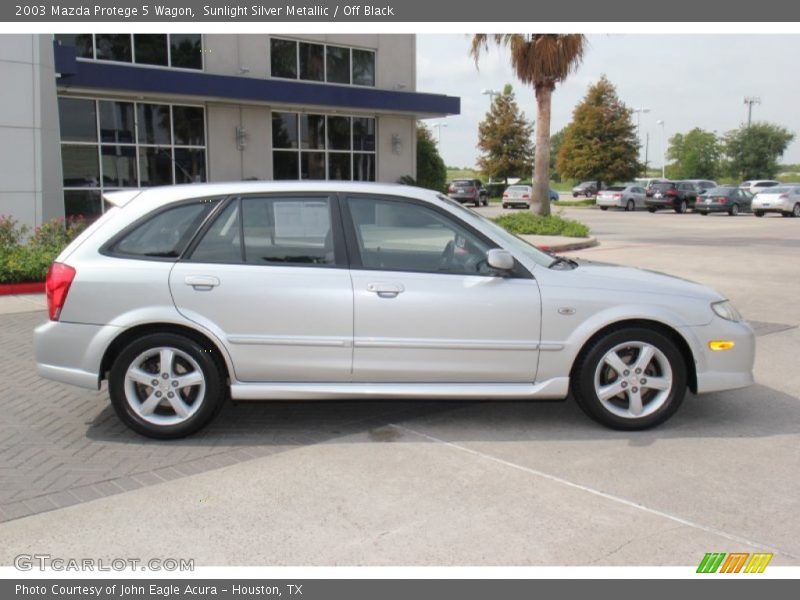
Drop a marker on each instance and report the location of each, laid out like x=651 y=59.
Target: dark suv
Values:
x=468 y=190
x=680 y=196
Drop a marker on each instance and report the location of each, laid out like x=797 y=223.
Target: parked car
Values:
x=758 y=185
x=468 y=190
x=726 y=198
x=586 y=188
x=184 y=296
x=517 y=196
x=702 y=185
x=629 y=196
x=649 y=183
x=783 y=199
x=679 y=196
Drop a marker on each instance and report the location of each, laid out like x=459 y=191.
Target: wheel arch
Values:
x=669 y=332
x=132 y=333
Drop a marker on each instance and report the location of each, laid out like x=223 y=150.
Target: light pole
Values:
x=750 y=100
x=639 y=112
x=438 y=127
x=491 y=93
x=663 y=149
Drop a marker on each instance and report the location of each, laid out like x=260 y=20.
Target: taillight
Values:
x=671 y=193
x=783 y=197
x=59 y=278
x=525 y=196
x=617 y=196
x=505 y=194
x=721 y=199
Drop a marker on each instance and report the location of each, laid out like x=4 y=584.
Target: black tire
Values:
x=682 y=208
x=603 y=208
x=505 y=205
x=630 y=206
x=574 y=194
x=786 y=214
x=583 y=373
x=733 y=210
x=759 y=213
x=216 y=390
x=703 y=212
x=796 y=211
x=477 y=203
x=651 y=209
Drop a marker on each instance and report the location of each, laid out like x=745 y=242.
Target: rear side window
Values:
x=165 y=234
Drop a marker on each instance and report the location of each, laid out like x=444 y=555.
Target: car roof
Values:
x=175 y=193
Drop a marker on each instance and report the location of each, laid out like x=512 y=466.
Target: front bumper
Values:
x=728 y=369
x=72 y=352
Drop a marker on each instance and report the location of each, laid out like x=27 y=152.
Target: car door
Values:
x=269 y=278
x=427 y=308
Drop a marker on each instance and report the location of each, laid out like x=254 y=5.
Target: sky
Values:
x=685 y=80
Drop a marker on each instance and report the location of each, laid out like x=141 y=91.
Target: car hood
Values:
x=605 y=276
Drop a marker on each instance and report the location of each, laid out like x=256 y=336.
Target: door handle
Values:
x=201 y=282
x=386 y=290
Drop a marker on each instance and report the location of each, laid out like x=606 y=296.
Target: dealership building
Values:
x=85 y=113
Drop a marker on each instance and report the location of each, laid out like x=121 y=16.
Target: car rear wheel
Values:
x=505 y=205
x=651 y=210
x=758 y=213
x=603 y=208
x=166 y=386
x=733 y=210
x=630 y=206
x=682 y=208
x=630 y=379
x=796 y=211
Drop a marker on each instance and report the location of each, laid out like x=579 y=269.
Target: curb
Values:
x=571 y=246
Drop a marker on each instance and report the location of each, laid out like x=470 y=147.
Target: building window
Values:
x=315 y=146
x=110 y=144
x=307 y=61
x=180 y=51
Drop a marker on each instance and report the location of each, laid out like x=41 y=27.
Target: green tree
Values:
x=600 y=143
x=504 y=139
x=753 y=152
x=431 y=170
x=695 y=155
x=542 y=60
x=555 y=145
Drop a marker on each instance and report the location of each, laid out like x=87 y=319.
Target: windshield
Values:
x=518 y=188
x=615 y=188
x=512 y=242
x=586 y=183
x=720 y=191
x=663 y=186
x=781 y=189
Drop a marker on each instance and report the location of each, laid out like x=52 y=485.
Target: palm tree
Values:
x=541 y=59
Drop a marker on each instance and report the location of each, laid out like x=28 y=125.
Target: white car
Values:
x=629 y=196
x=184 y=296
x=758 y=185
x=518 y=196
x=783 y=199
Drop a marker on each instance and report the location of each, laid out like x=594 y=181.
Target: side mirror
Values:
x=500 y=259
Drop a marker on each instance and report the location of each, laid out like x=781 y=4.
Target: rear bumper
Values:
x=709 y=208
x=72 y=352
x=660 y=203
x=610 y=203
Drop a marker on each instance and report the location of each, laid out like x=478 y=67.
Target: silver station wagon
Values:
x=184 y=296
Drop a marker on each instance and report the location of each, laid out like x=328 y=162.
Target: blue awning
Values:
x=121 y=77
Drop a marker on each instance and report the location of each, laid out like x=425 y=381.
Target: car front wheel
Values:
x=630 y=379
x=682 y=208
x=758 y=213
x=166 y=386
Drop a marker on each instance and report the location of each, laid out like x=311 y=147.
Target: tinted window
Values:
x=119 y=166
x=363 y=67
x=114 y=46
x=312 y=62
x=82 y=42
x=285 y=165
x=83 y=203
x=116 y=122
x=154 y=124
x=186 y=50
x=339 y=133
x=80 y=166
x=616 y=188
x=166 y=234
x=77 y=119
x=221 y=243
x=402 y=236
x=189 y=125
x=150 y=49
x=338 y=64
x=155 y=166
x=284 y=130
x=283 y=58
x=287 y=231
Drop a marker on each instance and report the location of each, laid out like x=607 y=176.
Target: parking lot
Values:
x=439 y=483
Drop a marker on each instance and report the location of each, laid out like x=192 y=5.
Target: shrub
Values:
x=27 y=258
x=526 y=223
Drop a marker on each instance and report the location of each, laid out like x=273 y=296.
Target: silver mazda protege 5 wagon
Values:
x=184 y=296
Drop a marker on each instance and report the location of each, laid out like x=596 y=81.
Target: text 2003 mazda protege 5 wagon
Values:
x=183 y=296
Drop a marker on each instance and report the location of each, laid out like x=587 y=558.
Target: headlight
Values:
x=726 y=310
